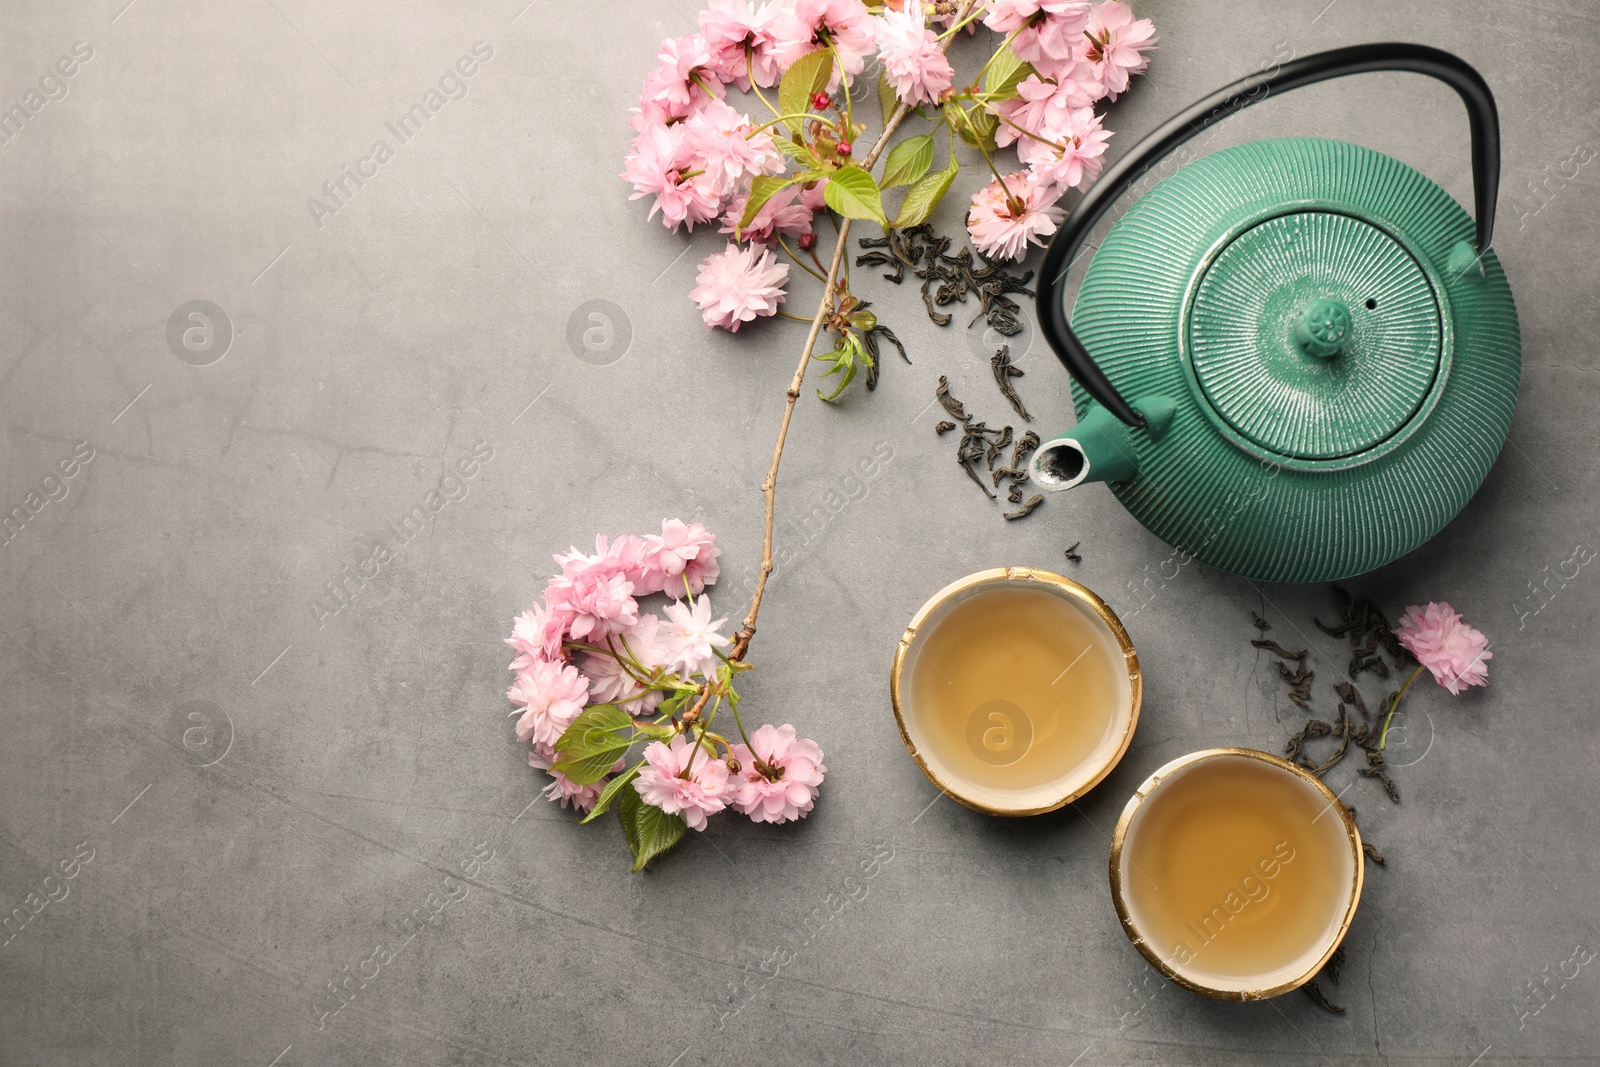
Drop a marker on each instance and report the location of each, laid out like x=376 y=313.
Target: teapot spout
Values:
x=1099 y=449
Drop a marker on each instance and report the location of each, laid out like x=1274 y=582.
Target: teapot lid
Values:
x=1314 y=334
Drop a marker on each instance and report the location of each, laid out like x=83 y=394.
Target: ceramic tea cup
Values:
x=1236 y=873
x=1016 y=690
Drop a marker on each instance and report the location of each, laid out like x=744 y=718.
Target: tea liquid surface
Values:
x=1237 y=870
x=1013 y=688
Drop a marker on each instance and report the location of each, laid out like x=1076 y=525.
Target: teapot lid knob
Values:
x=1322 y=327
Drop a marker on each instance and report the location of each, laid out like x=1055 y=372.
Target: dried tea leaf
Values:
x=950 y=403
x=1310 y=989
x=1003 y=373
x=1026 y=509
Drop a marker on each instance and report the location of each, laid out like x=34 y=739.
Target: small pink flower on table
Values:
x=1005 y=218
x=1117 y=44
x=1444 y=646
x=667 y=781
x=691 y=636
x=567 y=793
x=536 y=635
x=1070 y=153
x=594 y=600
x=779 y=775
x=682 y=552
x=802 y=26
x=785 y=214
x=724 y=143
x=740 y=42
x=913 y=63
x=659 y=159
x=738 y=285
x=551 y=695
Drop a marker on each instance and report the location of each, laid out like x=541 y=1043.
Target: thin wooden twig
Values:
x=769 y=486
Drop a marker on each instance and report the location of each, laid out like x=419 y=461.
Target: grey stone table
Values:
x=258 y=795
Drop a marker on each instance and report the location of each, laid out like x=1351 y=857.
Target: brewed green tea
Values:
x=1013 y=688
x=1237 y=872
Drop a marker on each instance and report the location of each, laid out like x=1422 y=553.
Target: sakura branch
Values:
x=596 y=675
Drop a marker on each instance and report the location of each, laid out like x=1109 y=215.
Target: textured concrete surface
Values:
x=254 y=798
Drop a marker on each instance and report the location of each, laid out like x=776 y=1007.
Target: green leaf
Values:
x=591 y=746
x=791 y=149
x=650 y=831
x=762 y=188
x=926 y=194
x=594 y=764
x=1004 y=74
x=887 y=101
x=609 y=793
x=805 y=79
x=908 y=161
x=846 y=351
x=593 y=729
x=650 y=730
x=852 y=193
x=978 y=128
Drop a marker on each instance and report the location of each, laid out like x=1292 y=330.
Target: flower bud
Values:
x=808 y=241
x=733 y=765
x=844 y=148
x=820 y=101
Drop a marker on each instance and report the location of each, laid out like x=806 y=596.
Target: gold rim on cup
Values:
x=1063 y=586
x=1129 y=927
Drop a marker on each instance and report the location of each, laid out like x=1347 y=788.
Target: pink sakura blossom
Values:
x=551 y=696
x=722 y=142
x=691 y=637
x=610 y=682
x=1072 y=152
x=737 y=285
x=657 y=165
x=1043 y=104
x=682 y=553
x=740 y=42
x=594 y=600
x=1003 y=219
x=683 y=80
x=913 y=63
x=1453 y=652
x=783 y=214
x=667 y=782
x=1117 y=43
x=787 y=788
x=541 y=755
x=1047 y=30
x=812 y=197
x=803 y=26
x=567 y=793
x=1005 y=16
x=536 y=635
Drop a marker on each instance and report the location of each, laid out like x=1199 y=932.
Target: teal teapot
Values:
x=1305 y=355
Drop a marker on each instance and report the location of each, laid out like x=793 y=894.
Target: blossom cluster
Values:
x=1081 y=54
x=699 y=156
x=589 y=645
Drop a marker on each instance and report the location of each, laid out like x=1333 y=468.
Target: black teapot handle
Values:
x=1357 y=59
